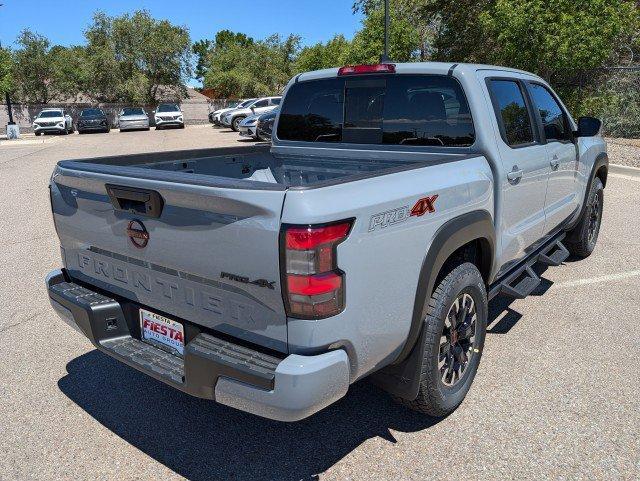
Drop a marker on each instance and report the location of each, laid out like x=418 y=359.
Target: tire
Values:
x=182 y=126
x=441 y=391
x=582 y=239
x=235 y=123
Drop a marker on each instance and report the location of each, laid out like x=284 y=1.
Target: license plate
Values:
x=162 y=332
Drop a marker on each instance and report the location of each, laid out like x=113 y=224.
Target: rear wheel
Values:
x=581 y=241
x=235 y=124
x=455 y=327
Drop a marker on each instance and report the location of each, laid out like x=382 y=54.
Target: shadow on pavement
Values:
x=202 y=440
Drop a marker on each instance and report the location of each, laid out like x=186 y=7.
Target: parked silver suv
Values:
x=168 y=115
x=259 y=106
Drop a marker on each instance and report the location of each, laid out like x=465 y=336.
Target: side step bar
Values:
x=555 y=256
x=523 y=280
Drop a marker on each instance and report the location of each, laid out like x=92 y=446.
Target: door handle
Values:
x=555 y=163
x=515 y=175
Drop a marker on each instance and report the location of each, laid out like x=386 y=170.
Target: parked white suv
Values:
x=169 y=115
x=53 y=120
x=259 y=106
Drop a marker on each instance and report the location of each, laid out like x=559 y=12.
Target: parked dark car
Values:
x=264 y=127
x=93 y=120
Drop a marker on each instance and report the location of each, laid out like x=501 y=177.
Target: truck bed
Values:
x=250 y=167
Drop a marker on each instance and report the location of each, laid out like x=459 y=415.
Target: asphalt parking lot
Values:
x=556 y=396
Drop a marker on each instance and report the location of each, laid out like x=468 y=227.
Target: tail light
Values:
x=365 y=69
x=314 y=287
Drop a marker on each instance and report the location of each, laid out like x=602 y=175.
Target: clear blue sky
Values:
x=64 y=21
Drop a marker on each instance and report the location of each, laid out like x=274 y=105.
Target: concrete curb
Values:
x=624 y=170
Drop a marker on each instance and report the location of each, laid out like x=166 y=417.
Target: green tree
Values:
x=368 y=44
x=133 y=56
x=201 y=50
x=247 y=68
x=33 y=70
x=102 y=65
x=6 y=68
x=420 y=13
x=334 y=53
x=69 y=71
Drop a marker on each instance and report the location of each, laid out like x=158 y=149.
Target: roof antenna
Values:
x=385 y=55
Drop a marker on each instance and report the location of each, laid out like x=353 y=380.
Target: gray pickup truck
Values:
x=394 y=203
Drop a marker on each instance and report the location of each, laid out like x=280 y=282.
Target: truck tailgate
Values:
x=211 y=257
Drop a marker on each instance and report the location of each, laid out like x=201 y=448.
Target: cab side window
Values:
x=512 y=113
x=261 y=103
x=554 y=121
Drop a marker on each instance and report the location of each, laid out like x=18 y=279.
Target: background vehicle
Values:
x=214 y=117
x=260 y=106
x=395 y=201
x=53 y=120
x=92 y=120
x=133 y=118
x=264 y=126
x=169 y=115
x=247 y=128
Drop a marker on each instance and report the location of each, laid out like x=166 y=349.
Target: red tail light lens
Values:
x=314 y=284
x=365 y=69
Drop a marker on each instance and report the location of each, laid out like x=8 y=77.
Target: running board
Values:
x=522 y=280
x=555 y=255
x=521 y=283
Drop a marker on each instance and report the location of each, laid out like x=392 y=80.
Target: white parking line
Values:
x=626 y=177
x=596 y=280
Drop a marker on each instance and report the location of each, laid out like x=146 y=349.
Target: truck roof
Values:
x=441 y=68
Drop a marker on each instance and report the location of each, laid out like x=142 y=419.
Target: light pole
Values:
x=385 y=55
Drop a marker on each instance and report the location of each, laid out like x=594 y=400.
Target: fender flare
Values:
x=402 y=376
x=602 y=160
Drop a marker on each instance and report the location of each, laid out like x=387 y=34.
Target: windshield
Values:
x=132 y=111
x=246 y=103
x=91 y=113
x=426 y=110
x=50 y=113
x=168 y=108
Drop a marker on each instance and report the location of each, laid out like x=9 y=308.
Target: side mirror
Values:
x=253 y=109
x=588 y=127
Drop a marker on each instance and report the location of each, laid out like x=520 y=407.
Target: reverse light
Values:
x=314 y=284
x=365 y=69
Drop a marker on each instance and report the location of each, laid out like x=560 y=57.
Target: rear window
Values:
x=91 y=112
x=50 y=113
x=168 y=108
x=133 y=111
x=428 y=110
x=511 y=109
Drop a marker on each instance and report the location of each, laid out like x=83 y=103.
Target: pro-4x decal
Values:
x=425 y=205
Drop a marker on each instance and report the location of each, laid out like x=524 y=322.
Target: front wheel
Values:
x=455 y=326
x=581 y=241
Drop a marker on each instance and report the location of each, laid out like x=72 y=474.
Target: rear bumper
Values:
x=286 y=389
